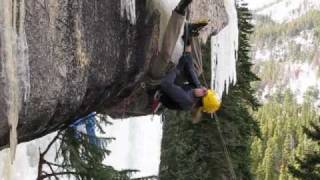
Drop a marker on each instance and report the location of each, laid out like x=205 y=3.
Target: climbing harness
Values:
x=186 y=29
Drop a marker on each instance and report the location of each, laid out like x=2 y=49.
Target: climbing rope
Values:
x=225 y=149
x=224 y=144
x=186 y=29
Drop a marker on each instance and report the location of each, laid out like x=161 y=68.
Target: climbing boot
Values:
x=195 y=27
x=182 y=6
x=192 y=30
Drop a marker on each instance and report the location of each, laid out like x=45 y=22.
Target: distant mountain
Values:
x=286 y=48
x=284 y=10
x=286 y=55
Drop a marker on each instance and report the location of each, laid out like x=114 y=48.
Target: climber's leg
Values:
x=197 y=55
x=187 y=66
x=183 y=98
x=160 y=66
x=192 y=31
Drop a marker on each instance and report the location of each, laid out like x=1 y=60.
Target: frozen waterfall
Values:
x=15 y=65
x=224 y=47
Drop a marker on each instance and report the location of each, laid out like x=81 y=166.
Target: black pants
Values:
x=180 y=96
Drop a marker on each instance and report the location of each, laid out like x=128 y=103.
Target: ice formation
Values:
x=15 y=64
x=128 y=10
x=22 y=56
x=224 y=47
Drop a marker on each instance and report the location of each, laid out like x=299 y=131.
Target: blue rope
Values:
x=79 y=121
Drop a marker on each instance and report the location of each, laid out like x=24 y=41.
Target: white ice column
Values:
x=224 y=47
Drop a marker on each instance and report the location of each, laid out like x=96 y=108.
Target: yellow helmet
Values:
x=211 y=102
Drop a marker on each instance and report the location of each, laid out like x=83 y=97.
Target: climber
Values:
x=180 y=89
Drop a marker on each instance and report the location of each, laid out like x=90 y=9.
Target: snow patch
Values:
x=27 y=157
x=304 y=76
x=306 y=39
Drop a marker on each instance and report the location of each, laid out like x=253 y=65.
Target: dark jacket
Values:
x=177 y=86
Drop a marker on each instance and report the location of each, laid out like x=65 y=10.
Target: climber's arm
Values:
x=186 y=66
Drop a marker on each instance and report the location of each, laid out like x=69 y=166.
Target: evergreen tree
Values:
x=281 y=121
x=79 y=158
x=195 y=151
x=308 y=168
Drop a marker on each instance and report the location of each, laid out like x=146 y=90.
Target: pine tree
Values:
x=308 y=168
x=79 y=158
x=281 y=121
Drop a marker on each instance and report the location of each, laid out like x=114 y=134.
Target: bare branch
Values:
x=50 y=144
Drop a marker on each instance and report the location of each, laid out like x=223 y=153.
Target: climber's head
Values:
x=210 y=102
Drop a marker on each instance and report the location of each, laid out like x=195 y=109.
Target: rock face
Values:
x=84 y=57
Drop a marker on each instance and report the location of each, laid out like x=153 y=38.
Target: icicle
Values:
x=15 y=64
x=224 y=47
x=128 y=9
x=10 y=72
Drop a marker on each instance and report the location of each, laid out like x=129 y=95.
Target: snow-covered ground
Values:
x=137 y=146
x=26 y=161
